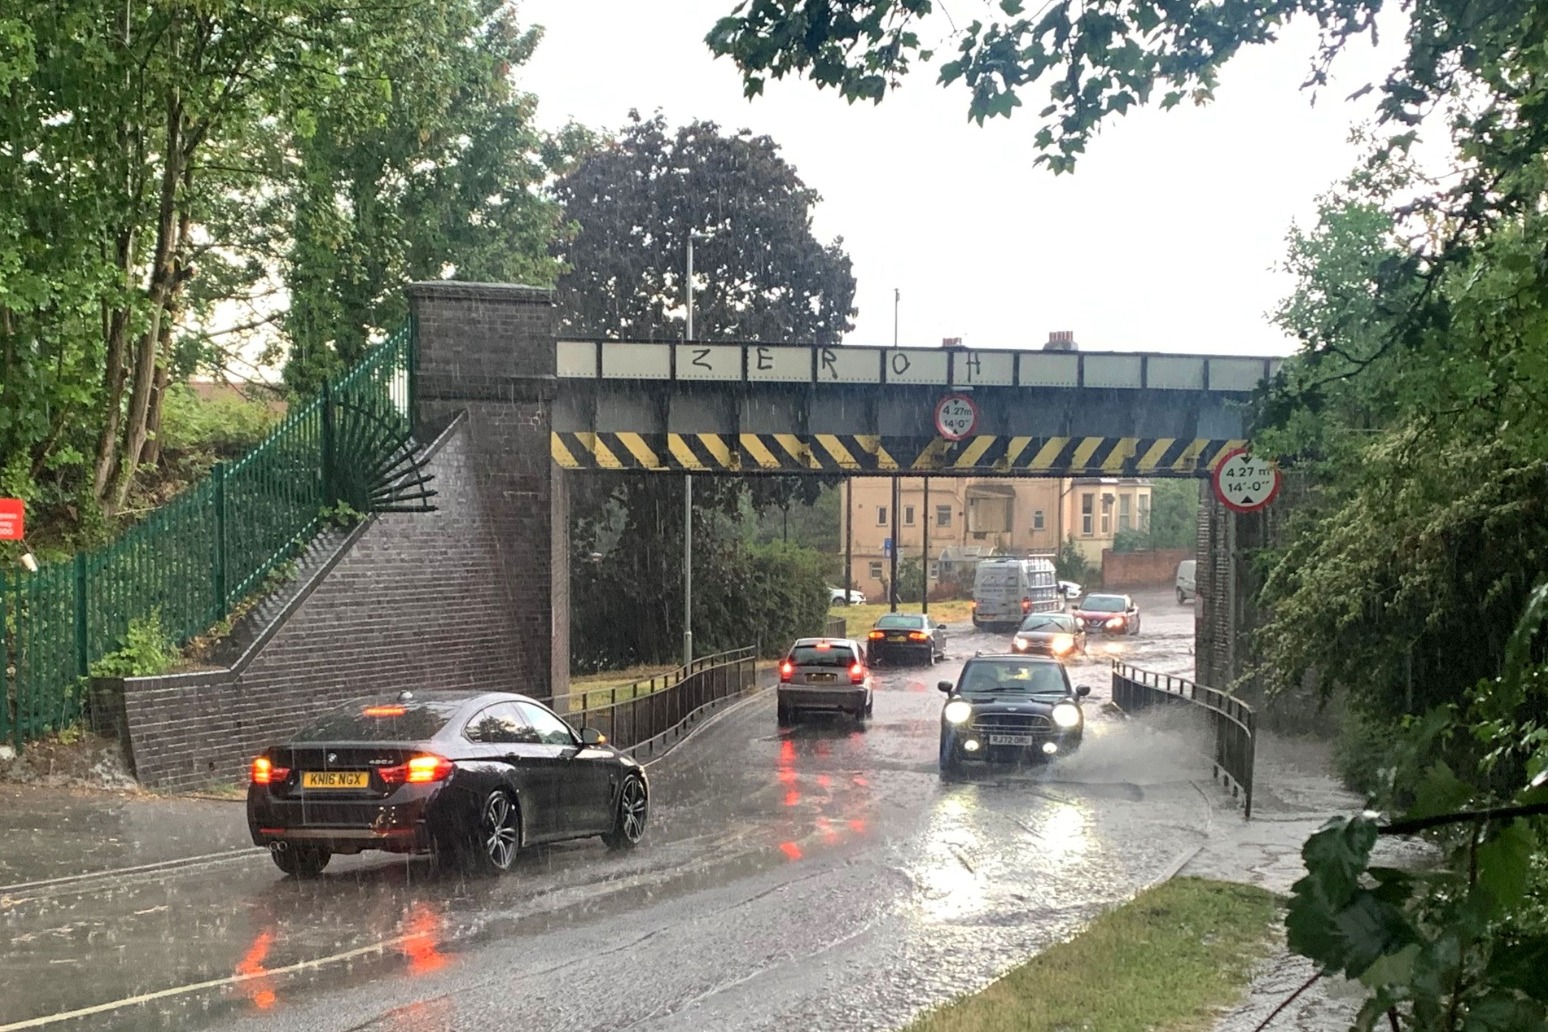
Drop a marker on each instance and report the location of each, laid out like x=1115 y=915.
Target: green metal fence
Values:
x=199 y=555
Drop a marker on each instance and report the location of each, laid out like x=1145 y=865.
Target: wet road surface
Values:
x=820 y=877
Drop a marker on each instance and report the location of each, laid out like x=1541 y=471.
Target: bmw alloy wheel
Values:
x=633 y=810
x=500 y=832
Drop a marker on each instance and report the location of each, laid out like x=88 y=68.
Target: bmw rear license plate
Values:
x=335 y=779
x=1010 y=739
x=897 y=637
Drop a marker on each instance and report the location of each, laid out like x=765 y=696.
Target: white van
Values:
x=1186 y=588
x=1005 y=590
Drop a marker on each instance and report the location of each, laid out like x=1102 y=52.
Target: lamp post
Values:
x=688 y=500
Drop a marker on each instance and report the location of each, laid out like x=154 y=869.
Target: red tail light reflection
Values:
x=251 y=970
x=421 y=940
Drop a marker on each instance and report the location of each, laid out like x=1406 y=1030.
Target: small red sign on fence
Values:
x=13 y=519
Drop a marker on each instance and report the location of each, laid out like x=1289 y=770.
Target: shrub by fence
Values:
x=191 y=561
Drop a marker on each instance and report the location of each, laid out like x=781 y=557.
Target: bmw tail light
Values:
x=918 y=636
x=857 y=674
x=419 y=770
x=786 y=670
x=877 y=635
x=264 y=772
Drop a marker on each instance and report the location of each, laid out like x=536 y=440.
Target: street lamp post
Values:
x=688 y=500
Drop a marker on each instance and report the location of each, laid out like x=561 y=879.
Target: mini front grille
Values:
x=1012 y=724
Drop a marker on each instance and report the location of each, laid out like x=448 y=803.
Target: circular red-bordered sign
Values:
x=956 y=416
x=1243 y=483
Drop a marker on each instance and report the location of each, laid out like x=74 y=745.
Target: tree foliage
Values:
x=176 y=172
x=760 y=274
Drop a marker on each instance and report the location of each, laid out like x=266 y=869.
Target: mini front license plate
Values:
x=1010 y=739
x=335 y=779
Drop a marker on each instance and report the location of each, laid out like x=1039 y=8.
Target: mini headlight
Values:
x=1063 y=642
x=959 y=712
x=1066 y=715
x=1115 y=623
x=1019 y=644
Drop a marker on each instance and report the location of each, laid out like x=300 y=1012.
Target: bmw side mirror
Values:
x=1083 y=691
x=944 y=686
x=591 y=736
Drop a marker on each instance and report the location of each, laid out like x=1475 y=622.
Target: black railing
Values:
x=1230 y=722
x=653 y=714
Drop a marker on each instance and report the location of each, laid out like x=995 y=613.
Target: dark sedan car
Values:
x=1050 y=634
x=471 y=777
x=1108 y=614
x=1005 y=709
x=906 y=637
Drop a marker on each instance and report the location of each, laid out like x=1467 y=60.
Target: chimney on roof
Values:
x=1060 y=340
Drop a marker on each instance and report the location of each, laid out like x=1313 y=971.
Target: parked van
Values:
x=1186 y=589
x=1005 y=590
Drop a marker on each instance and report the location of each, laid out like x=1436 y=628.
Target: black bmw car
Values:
x=471 y=777
x=1005 y=709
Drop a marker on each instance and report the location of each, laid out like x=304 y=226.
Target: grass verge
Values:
x=1167 y=961
x=861 y=618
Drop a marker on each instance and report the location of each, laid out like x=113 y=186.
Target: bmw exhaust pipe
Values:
x=278 y=846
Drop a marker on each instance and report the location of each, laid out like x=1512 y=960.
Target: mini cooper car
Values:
x=1108 y=614
x=1009 y=709
x=471 y=777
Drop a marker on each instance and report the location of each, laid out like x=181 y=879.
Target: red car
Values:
x=1108 y=614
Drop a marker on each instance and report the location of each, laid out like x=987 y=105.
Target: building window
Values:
x=1125 y=517
x=908 y=515
x=943 y=515
x=1144 y=513
x=876 y=569
x=935 y=569
x=1087 y=511
x=881 y=515
x=1037 y=519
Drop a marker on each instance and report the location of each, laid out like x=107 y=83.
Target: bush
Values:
x=1070 y=563
x=227 y=425
x=148 y=651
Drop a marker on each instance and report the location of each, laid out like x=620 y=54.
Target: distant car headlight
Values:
x=959 y=712
x=1115 y=623
x=1064 y=715
x=1019 y=644
x=1063 y=642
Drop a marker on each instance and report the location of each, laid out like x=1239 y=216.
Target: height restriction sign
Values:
x=955 y=416
x=1244 y=483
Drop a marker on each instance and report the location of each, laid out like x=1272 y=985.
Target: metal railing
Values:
x=651 y=714
x=192 y=560
x=1230 y=722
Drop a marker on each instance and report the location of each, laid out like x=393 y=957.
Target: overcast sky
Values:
x=1166 y=237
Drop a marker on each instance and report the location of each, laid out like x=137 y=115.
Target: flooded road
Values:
x=820 y=877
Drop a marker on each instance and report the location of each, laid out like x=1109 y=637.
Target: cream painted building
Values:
x=969 y=518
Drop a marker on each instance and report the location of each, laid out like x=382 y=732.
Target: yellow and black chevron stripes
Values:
x=870 y=453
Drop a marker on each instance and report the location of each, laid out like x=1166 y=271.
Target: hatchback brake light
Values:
x=857 y=674
x=264 y=772
x=419 y=770
x=786 y=669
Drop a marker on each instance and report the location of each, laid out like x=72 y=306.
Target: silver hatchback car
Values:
x=824 y=674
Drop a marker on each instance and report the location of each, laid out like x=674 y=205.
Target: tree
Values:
x=761 y=275
x=441 y=169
